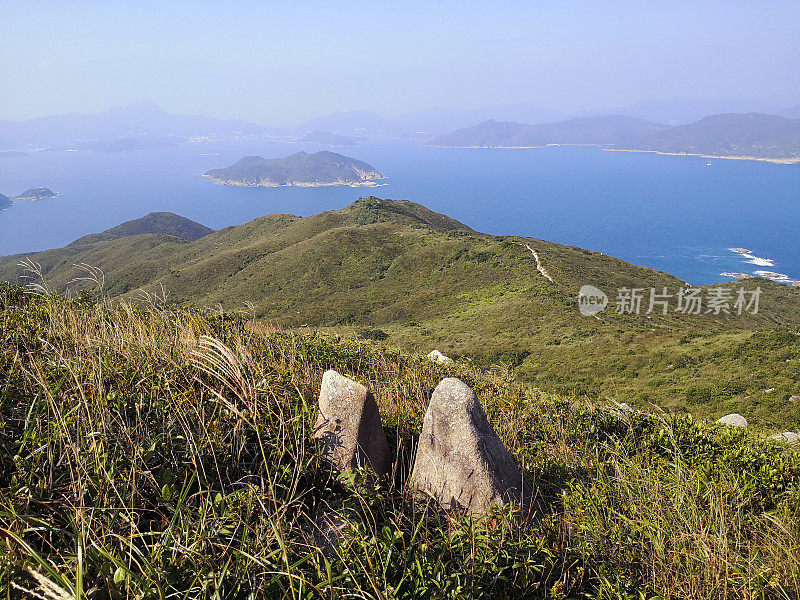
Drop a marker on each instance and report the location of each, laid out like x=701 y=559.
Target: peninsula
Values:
x=751 y=136
x=301 y=169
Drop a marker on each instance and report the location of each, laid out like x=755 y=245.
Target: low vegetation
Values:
x=149 y=451
x=421 y=280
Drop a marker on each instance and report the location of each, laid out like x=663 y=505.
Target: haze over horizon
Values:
x=282 y=65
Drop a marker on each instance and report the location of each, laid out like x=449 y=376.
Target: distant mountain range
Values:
x=425 y=123
x=140 y=119
x=157 y=223
x=681 y=111
x=601 y=131
x=752 y=135
x=143 y=125
x=301 y=169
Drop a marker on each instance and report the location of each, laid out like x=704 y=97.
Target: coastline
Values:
x=777 y=161
x=484 y=147
x=515 y=147
x=303 y=184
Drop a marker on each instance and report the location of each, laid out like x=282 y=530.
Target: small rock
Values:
x=460 y=460
x=734 y=420
x=349 y=426
x=769 y=390
x=625 y=407
x=440 y=358
x=790 y=437
x=794 y=399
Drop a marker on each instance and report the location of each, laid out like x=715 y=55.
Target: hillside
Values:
x=161 y=223
x=598 y=131
x=300 y=169
x=729 y=136
x=173 y=448
x=395 y=269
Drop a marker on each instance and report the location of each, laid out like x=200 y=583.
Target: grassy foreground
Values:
x=152 y=452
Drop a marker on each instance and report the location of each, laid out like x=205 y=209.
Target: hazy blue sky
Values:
x=279 y=63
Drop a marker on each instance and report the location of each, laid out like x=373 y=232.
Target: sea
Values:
x=677 y=214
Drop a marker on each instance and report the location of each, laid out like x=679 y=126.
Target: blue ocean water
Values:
x=675 y=214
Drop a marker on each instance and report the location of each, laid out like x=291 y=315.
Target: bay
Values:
x=675 y=214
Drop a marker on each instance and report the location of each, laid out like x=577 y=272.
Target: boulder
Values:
x=460 y=460
x=794 y=399
x=790 y=437
x=348 y=426
x=734 y=420
x=440 y=358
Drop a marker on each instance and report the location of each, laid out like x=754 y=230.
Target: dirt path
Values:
x=539 y=266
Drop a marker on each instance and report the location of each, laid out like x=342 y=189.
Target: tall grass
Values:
x=149 y=452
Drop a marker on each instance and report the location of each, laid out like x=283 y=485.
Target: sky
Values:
x=280 y=63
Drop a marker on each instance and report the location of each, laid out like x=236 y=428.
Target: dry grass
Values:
x=148 y=452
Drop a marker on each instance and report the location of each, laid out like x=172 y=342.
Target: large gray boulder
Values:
x=733 y=420
x=348 y=426
x=460 y=460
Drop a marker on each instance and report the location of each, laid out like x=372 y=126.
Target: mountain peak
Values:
x=371 y=209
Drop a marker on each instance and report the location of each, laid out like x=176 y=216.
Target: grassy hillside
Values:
x=161 y=223
x=151 y=452
x=396 y=269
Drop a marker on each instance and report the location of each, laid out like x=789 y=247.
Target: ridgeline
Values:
x=395 y=270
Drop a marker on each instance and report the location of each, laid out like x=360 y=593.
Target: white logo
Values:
x=591 y=300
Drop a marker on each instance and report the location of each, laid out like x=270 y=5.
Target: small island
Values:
x=5 y=202
x=301 y=169
x=40 y=193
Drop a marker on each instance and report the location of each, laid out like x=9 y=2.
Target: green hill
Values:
x=161 y=223
x=395 y=269
x=299 y=169
x=731 y=135
x=596 y=131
